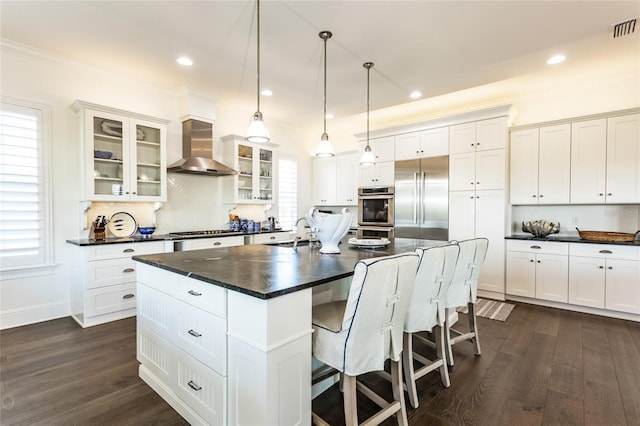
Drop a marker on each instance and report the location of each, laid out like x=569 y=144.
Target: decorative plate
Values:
x=369 y=243
x=122 y=224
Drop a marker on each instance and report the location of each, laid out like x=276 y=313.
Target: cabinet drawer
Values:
x=102 y=273
x=605 y=251
x=206 y=243
x=114 y=251
x=271 y=238
x=201 y=388
x=531 y=246
x=115 y=298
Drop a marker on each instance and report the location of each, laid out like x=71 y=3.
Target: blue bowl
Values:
x=146 y=230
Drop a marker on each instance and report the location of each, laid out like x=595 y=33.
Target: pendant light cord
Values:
x=368 y=66
x=325 y=35
x=258 y=49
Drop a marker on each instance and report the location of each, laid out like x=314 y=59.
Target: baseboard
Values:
x=33 y=314
x=577 y=308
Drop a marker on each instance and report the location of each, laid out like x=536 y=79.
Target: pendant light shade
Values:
x=257 y=131
x=324 y=147
x=368 y=159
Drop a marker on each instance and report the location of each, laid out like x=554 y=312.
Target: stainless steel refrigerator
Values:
x=422 y=198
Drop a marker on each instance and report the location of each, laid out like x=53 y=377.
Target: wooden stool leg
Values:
x=409 y=372
x=473 y=327
x=398 y=392
x=438 y=336
x=350 y=400
x=447 y=339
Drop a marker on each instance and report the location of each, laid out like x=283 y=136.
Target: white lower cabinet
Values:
x=605 y=276
x=273 y=237
x=182 y=344
x=538 y=270
x=103 y=285
x=205 y=243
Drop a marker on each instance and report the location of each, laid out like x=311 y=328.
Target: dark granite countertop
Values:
x=265 y=271
x=569 y=239
x=161 y=237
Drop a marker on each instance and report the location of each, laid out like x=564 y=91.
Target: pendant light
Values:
x=368 y=159
x=324 y=148
x=257 y=131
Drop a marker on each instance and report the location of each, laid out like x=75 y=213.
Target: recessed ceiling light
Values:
x=415 y=95
x=329 y=116
x=556 y=59
x=183 y=60
x=266 y=92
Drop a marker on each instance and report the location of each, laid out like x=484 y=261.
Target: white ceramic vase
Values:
x=329 y=228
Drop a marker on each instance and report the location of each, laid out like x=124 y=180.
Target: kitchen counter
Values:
x=250 y=308
x=160 y=237
x=266 y=271
x=569 y=239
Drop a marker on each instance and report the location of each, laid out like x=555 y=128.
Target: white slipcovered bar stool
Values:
x=357 y=335
x=427 y=313
x=463 y=292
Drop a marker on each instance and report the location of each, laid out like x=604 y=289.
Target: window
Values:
x=287 y=192
x=25 y=235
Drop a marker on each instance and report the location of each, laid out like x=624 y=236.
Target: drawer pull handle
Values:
x=194 y=293
x=129 y=296
x=217 y=243
x=194 y=333
x=128 y=270
x=272 y=237
x=536 y=247
x=193 y=386
x=606 y=251
x=129 y=250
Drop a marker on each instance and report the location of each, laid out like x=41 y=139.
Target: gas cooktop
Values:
x=207 y=232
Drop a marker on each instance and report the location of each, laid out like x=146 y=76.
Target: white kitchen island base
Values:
x=224 y=357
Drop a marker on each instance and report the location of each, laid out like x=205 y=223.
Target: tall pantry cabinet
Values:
x=477 y=176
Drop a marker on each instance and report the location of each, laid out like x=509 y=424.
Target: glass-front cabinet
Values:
x=255 y=181
x=124 y=155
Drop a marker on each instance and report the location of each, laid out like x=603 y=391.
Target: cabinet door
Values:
x=490 y=169
x=324 y=181
x=383 y=149
x=244 y=154
x=462 y=213
x=368 y=176
x=524 y=167
x=588 y=154
x=521 y=274
x=623 y=285
x=346 y=178
x=462 y=138
x=107 y=156
x=407 y=146
x=554 y=164
x=434 y=142
x=462 y=172
x=552 y=277
x=623 y=159
x=385 y=173
x=148 y=171
x=264 y=171
x=491 y=134
x=586 y=281
x=489 y=223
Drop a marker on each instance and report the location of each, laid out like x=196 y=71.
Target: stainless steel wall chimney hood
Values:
x=197 y=151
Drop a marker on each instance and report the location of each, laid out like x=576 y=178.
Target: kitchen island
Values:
x=224 y=335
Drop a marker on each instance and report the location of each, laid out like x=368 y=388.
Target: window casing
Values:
x=287 y=192
x=25 y=222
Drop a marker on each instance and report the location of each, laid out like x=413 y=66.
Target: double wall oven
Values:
x=375 y=212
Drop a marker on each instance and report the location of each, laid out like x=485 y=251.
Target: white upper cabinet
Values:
x=124 y=155
x=427 y=143
x=347 y=179
x=478 y=136
x=623 y=159
x=324 y=181
x=477 y=171
x=380 y=174
x=335 y=180
x=255 y=182
x=383 y=148
x=540 y=165
x=588 y=161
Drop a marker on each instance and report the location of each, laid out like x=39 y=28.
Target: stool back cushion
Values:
x=374 y=316
x=435 y=271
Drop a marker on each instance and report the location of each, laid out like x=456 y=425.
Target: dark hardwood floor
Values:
x=542 y=366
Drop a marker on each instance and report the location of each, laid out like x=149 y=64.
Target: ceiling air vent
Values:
x=622 y=29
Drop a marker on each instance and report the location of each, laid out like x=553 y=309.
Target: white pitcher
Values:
x=329 y=228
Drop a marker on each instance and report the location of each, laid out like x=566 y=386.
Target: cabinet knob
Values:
x=471 y=197
x=539 y=261
x=610 y=267
x=471 y=183
x=600 y=267
x=534 y=195
x=541 y=195
x=609 y=194
x=477 y=183
x=471 y=144
x=601 y=194
x=531 y=260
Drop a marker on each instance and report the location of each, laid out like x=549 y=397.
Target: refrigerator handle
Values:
x=423 y=212
x=415 y=197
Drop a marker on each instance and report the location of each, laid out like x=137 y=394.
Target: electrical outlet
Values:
x=574 y=220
